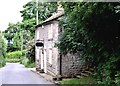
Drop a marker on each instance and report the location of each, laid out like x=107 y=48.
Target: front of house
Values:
x=48 y=58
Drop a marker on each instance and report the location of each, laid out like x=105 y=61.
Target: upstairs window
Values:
x=50 y=32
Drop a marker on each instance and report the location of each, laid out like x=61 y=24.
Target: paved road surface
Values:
x=15 y=73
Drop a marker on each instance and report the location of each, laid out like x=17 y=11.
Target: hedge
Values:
x=2 y=61
x=15 y=54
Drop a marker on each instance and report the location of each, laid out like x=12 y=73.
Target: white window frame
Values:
x=50 y=32
x=50 y=55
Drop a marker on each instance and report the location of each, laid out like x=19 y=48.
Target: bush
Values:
x=2 y=61
x=16 y=54
x=12 y=60
x=27 y=63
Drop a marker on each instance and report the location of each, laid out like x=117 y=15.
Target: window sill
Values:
x=50 y=39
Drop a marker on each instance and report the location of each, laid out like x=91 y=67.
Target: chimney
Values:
x=60 y=8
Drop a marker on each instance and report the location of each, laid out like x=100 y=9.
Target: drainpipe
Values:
x=60 y=64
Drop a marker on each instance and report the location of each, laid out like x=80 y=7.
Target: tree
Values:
x=10 y=34
x=17 y=41
x=3 y=45
x=93 y=28
x=2 y=50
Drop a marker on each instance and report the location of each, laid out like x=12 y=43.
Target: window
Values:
x=50 y=56
x=50 y=32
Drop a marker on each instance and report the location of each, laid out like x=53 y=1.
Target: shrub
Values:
x=27 y=63
x=16 y=54
x=12 y=60
x=2 y=61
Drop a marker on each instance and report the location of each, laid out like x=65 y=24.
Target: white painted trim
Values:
x=37 y=53
x=50 y=32
x=50 y=55
x=45 y=62
x=42 y=63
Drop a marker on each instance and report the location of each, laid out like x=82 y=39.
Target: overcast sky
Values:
x=10 y=12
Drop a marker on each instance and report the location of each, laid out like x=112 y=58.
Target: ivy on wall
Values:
x=94 y=29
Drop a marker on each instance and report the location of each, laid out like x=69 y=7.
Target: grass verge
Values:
x=84 y=80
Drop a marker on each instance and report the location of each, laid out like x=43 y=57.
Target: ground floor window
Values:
x=50 y=56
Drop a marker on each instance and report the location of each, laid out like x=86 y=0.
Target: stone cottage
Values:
x=48 y=58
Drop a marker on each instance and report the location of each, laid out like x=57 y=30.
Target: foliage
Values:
x=16 y=54
x=30 y=54
x=13 y=60
x=2 y=50
x=27 y=63
x=10 y=34
x=2 y=61
x=17 y=41
x=94 y=29
x=11 y=30
x=19 y=37
x=4 y=46
x=117 y=79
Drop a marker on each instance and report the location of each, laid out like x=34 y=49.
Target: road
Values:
x=15 y=73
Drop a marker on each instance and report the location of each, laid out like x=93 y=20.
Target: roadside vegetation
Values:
x=13 y=57
x=19 y=56
x=2 y=61
x=84 y=80
x=94 y=29
x=2 y=50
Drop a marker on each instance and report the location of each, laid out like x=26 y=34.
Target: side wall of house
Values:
x=71 y=64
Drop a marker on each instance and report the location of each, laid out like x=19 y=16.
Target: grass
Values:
x=84 y=80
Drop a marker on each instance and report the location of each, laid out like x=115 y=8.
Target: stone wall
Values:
x=71 y=64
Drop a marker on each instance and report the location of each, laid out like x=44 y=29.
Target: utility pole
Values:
x=21 y=34
x=37 y=12
x=21 y=38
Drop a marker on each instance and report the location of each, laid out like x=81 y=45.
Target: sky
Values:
x=10 y=12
